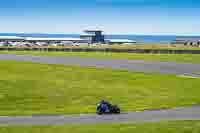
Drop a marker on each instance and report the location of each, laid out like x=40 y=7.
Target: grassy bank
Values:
x=188 y=58
x=150 y=46
x=134 y=46
x=162 y=127
x=27 y=88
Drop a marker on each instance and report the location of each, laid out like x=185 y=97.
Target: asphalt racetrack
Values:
x=192 y=113
x=186 y=69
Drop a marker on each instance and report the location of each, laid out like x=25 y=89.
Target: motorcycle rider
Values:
x=103 y=106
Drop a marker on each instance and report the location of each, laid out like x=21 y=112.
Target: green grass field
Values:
x=162 y=127
x=188 y=58
x=27 y=88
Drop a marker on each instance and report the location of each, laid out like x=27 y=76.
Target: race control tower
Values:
x=93 y=36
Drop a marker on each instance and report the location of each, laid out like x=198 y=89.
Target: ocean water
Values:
x=149 y=39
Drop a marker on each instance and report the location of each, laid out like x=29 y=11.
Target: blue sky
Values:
x=179 y=17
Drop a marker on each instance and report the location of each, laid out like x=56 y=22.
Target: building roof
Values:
x=120 y=41
x=88 y=34
x=96 y=30
x=52 y=39
x=11 y=37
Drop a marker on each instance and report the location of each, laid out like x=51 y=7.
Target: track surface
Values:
x=192 y=113
x=137 y=66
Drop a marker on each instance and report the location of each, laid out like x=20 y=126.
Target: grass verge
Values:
x=27 y=88
x=130 y=46
x=149 y=46
x=162 y=127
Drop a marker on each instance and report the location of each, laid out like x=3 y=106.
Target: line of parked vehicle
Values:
x=39 y=44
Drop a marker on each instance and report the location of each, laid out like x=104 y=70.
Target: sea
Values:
x=143 y=39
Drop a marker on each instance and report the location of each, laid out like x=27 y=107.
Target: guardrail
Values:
x=150 y=51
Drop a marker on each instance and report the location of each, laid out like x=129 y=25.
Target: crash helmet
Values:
x=103 y=101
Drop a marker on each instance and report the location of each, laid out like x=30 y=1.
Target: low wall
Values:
x=150 y=51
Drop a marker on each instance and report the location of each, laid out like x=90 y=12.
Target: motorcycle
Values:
x=107 y=108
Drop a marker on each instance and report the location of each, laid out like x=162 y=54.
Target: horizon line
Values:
x=136 y=34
